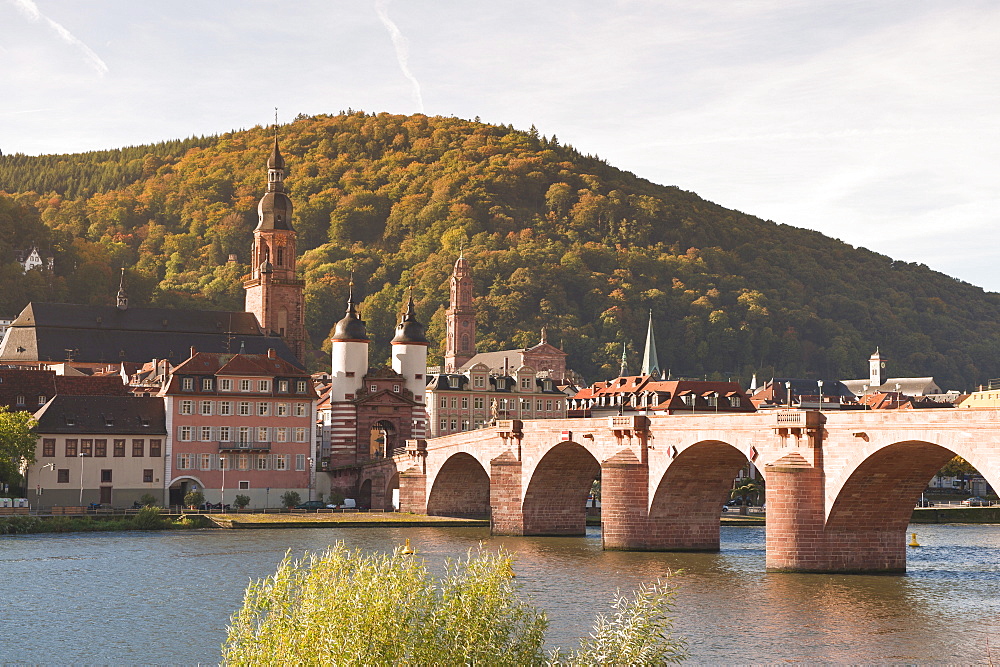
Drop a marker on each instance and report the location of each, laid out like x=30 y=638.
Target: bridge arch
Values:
x=461 y=488
x=555 y=500
x=865 y=528
x=690 y=493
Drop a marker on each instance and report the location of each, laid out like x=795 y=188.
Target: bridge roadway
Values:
x=841 y=486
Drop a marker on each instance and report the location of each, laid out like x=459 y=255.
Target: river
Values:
x=166 y=597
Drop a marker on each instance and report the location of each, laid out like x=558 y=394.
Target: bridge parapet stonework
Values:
x=840 y=485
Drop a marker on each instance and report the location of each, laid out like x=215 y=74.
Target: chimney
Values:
x=271 y=353
x=193 y=351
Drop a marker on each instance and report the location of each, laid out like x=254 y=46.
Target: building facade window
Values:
x=225 y=384
x=206 y=408
x=300 y=434
x=300 y=409
x=70 y=447
x=263 y=385
x=186 y=434
x=283 y=386
x=525 y=383
x=48 y=447
x=244 y=408
x=465 y=402
x=206 y=384
x=244 y=485
x=225 y=434
x=244 y=385
x=138 y=447
x=478 y=402
x=300 y=387
x=280 y=462
x=263 y=409
x=261 y=462
x=185 y=461
x=105 y=476
x=225 y=408
x=119 y=447
x=147 y=475
x=187 y=384
x=206 y=462
x=281 y=409
x=206 y=433
x=244 y=434
x=281 y=434
x=62 y=476
x=187 y=407
x=101 y=448
x=262 y=434
x=156 y=448
x=444 y=401
x=243 y=461
x=86 y=447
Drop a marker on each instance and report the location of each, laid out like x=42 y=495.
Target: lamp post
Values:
x=309 y=472
x=820 y=383
x=38 y=493
x=81 y=476
x=788 y=392
x=222 y=491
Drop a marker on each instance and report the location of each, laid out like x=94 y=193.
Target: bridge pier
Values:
x=413 y=492
x=506 y=517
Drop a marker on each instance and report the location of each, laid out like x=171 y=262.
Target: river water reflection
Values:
x=166 y=597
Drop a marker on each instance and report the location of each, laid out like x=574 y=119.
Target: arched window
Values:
x=465 y=343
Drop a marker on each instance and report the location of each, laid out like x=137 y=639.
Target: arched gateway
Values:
x=841 y=487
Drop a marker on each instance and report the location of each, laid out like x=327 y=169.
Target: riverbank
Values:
x=356 y=520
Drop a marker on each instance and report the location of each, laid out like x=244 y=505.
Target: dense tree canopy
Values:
x=554 y=238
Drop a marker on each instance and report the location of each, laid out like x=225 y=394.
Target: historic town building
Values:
x=239 y=424
x=98 y=449
x=374 y=411
x=274 y=293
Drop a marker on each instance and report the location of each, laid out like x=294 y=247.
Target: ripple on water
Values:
x=166 y=597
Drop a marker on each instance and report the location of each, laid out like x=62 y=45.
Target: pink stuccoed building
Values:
x=239 y=424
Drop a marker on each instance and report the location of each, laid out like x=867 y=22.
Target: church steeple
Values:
x=460 y=339
x=274 y=293
x=650 y=364
x=122 y=297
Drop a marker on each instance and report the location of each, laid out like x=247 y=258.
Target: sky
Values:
x=874 y=122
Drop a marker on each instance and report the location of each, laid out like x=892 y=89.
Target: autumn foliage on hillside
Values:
x=555 y=238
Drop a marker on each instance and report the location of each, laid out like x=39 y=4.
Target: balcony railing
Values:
x=244 y=446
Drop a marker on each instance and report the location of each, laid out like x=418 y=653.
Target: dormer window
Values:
x=206 y=384
x=109 y=421
x=20 y=399
x=71 y=421
x=187 y=384
x=41 y=399
x=373 y=388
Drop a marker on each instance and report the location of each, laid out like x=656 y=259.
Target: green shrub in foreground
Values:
x=349 y=608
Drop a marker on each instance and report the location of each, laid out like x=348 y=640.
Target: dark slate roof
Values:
x=351 y=327
x=409 y=330
x=274 y=211
x=100 y=415
x=29 y=384
x=105 y=334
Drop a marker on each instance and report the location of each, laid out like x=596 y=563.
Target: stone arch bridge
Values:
x=841 y=486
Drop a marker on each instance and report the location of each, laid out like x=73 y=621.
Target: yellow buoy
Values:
x=407 y=549
x=913 y=540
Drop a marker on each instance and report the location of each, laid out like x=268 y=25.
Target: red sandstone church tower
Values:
x=460 y=343
x=274 y=294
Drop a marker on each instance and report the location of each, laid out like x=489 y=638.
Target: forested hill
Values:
x=554 y=238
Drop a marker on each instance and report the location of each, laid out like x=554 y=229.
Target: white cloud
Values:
x=30 y=10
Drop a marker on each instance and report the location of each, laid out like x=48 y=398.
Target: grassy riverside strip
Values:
x=357 y=520
x=149 y=518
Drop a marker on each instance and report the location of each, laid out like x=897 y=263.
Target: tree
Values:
x=17 y=445
x=147 y=500
x=746 y=493
x=290 y=499
x=194 y=499
x=241 y=501
x=350 y=608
